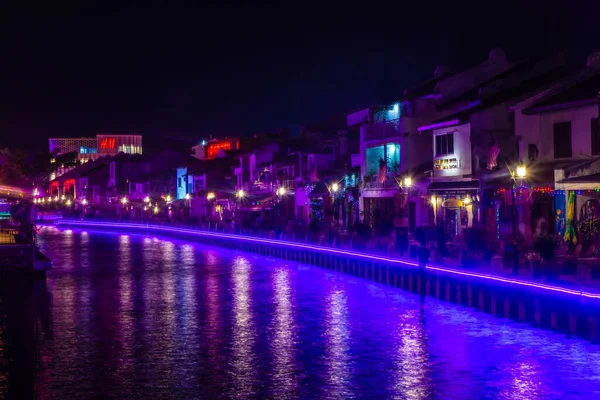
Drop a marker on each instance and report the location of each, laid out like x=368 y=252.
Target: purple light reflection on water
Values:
x=271 y=328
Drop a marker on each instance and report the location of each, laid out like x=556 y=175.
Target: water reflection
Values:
x=243 y=369
x=337 y=358
x=283 y=338
x=410 y=379
x=25 y=326
x=157 y=318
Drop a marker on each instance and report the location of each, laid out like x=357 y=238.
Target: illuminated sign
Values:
x=214 y=148
x=445 y=163
x=107 y=144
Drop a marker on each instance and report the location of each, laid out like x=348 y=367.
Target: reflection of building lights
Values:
x=168 y=197
x=68 y=202
x=433 y=200
x=281 y=191
x=335 y=187
x=84 y=202
x=63 y=197
x=467 y=201
x=218 y=208
x=155 y=210
x=240 y=193
x=408 y=181
x=145 y=208
x=124 y=200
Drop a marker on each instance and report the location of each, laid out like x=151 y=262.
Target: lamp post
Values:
x=333 y=190
x=519 y=174
x=280 y=193
x=240 y=195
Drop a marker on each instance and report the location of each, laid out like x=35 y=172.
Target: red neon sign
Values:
x=107 y=144
x=214 y=148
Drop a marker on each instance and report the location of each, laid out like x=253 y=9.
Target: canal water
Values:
x=133 y=316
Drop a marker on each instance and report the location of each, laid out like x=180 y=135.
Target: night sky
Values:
x=164 y=69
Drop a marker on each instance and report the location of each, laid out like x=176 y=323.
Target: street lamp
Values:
x=187 y=196
x=124 y=200
x=407 y=181
x=240 y=195
x=168 y=198
x=281 y=191
x=84 y=202
x=335 y=187
x=147 y=199
x=210 y=196
x=519 y=173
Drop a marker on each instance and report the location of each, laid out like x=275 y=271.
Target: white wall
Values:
x=538 y=129
x=462 y=151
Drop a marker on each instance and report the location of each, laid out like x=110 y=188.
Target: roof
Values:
x=84 y=168
x=586 y=89
x=593 y=178
x=510 y=91
x=453 y=186
x=426 y=87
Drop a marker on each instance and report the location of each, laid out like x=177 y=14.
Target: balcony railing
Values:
x=389 y=183
x=382 y=130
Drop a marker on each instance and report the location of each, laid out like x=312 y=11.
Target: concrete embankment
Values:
x=572 y=310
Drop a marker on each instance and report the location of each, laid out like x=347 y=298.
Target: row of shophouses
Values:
x=457 y=150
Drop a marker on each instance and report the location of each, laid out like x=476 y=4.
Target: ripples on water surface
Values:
x=128 y=316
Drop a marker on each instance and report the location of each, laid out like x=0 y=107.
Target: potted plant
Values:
x=545 y=245
x=475 y=240
x=422 y=236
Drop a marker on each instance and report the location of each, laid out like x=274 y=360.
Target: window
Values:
x=532 y=152
x=562 y=140
x=595 y=136
x=444 y=144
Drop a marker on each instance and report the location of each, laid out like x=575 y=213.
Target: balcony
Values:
x=381 y=131
x=374 y=184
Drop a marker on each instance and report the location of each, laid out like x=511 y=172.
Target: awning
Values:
x=454 y=187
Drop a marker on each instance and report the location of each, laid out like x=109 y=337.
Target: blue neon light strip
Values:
x=371 y=257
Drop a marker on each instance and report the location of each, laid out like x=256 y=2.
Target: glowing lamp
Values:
x=240 y=194
x=155 y=210
x=210 y=196
x=467 y=201
x=281 y=191
x=408 y=181
x=168 y=198
x=521 y=171
x=187 y=196
x=124 y=200
x=84 y=202
x=56 y=198
x=68 y=202
x=62 y=198
x=147 y=199
x=335 y=187
x=433 y=200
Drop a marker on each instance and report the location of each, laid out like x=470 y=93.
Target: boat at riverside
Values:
x=19 y=251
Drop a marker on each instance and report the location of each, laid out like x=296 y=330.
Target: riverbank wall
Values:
x=569 y=309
